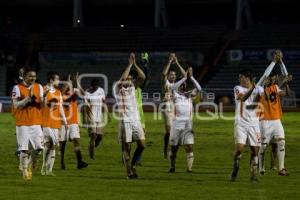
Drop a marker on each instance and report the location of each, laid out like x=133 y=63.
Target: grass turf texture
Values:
x=105 y=177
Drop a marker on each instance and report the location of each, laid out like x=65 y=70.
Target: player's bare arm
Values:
x=167 y=67
x=140 y=74
x=179 y=65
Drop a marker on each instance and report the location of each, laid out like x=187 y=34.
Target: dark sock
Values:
x=78 y=156
x=166 y=141
x=62 y=154
x=98 y=140
x=137 y=154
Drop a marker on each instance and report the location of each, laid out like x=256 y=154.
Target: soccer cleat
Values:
x=27 y=178
x=82 y=165
x=29 y=172
x=134 y=174
x=253 y=179
x=189 y=170
x=43 y=171
x=130 y=176
x=273 y=168
x=172 y=170
x=50 y=174
x=262 y=173
x=283 y=172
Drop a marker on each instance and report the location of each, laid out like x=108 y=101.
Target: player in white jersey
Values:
x=246 y=126
x=94 y=98
x=182 y=127
x=168 y=80
x=130 y=125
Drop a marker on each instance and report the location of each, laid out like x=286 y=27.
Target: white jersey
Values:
x=127 y=105
x=168 y=96
x=243 y=114
x=95 y=100
x=183 y=106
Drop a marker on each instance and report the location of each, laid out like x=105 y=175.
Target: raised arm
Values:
x=80 y=89
x=283 y=68
x=140 y=74
x=190 y=74
x=127 y=70
x=167 y=67
x=179 y=66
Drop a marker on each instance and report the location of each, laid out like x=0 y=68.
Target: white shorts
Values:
x=271 y=129
x=131 y=132
x=168 y=118
x=72 y=133
x=29 y=137
x=95 y=127
x=247 y=135
x=51 y=134
x=181 y=133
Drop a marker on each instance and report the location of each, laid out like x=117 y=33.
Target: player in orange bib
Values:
x=52 y=119
x=270 y=122
x=72 y=133
x=27 y=98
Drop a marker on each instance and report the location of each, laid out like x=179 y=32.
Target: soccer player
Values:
x=131 y=129
x=270 y=121
x=168 y=80
x=182 y=127
x=72 y=133
x=246 y=126
x=27 y=98
x=52 y=118
x=94 y=98
x=246 y=129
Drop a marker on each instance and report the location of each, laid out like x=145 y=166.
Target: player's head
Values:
x=29 y=76
x=95 y=83
x=246 y=78
x=53 y=78
x=171 y=76
x=274 y=78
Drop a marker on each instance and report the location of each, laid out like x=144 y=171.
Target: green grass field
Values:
x=105 y=177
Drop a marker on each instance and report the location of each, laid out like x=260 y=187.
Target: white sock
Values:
x=190 y=160
x=281 y=153
x=45 y=157
x=254 y=164
x=261 y=157
x=50 y=160
x=24 y=163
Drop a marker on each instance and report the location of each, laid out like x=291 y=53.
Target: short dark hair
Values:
x=171 y=70
x=27 y=70
x=247 y=73
x=51 y=76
